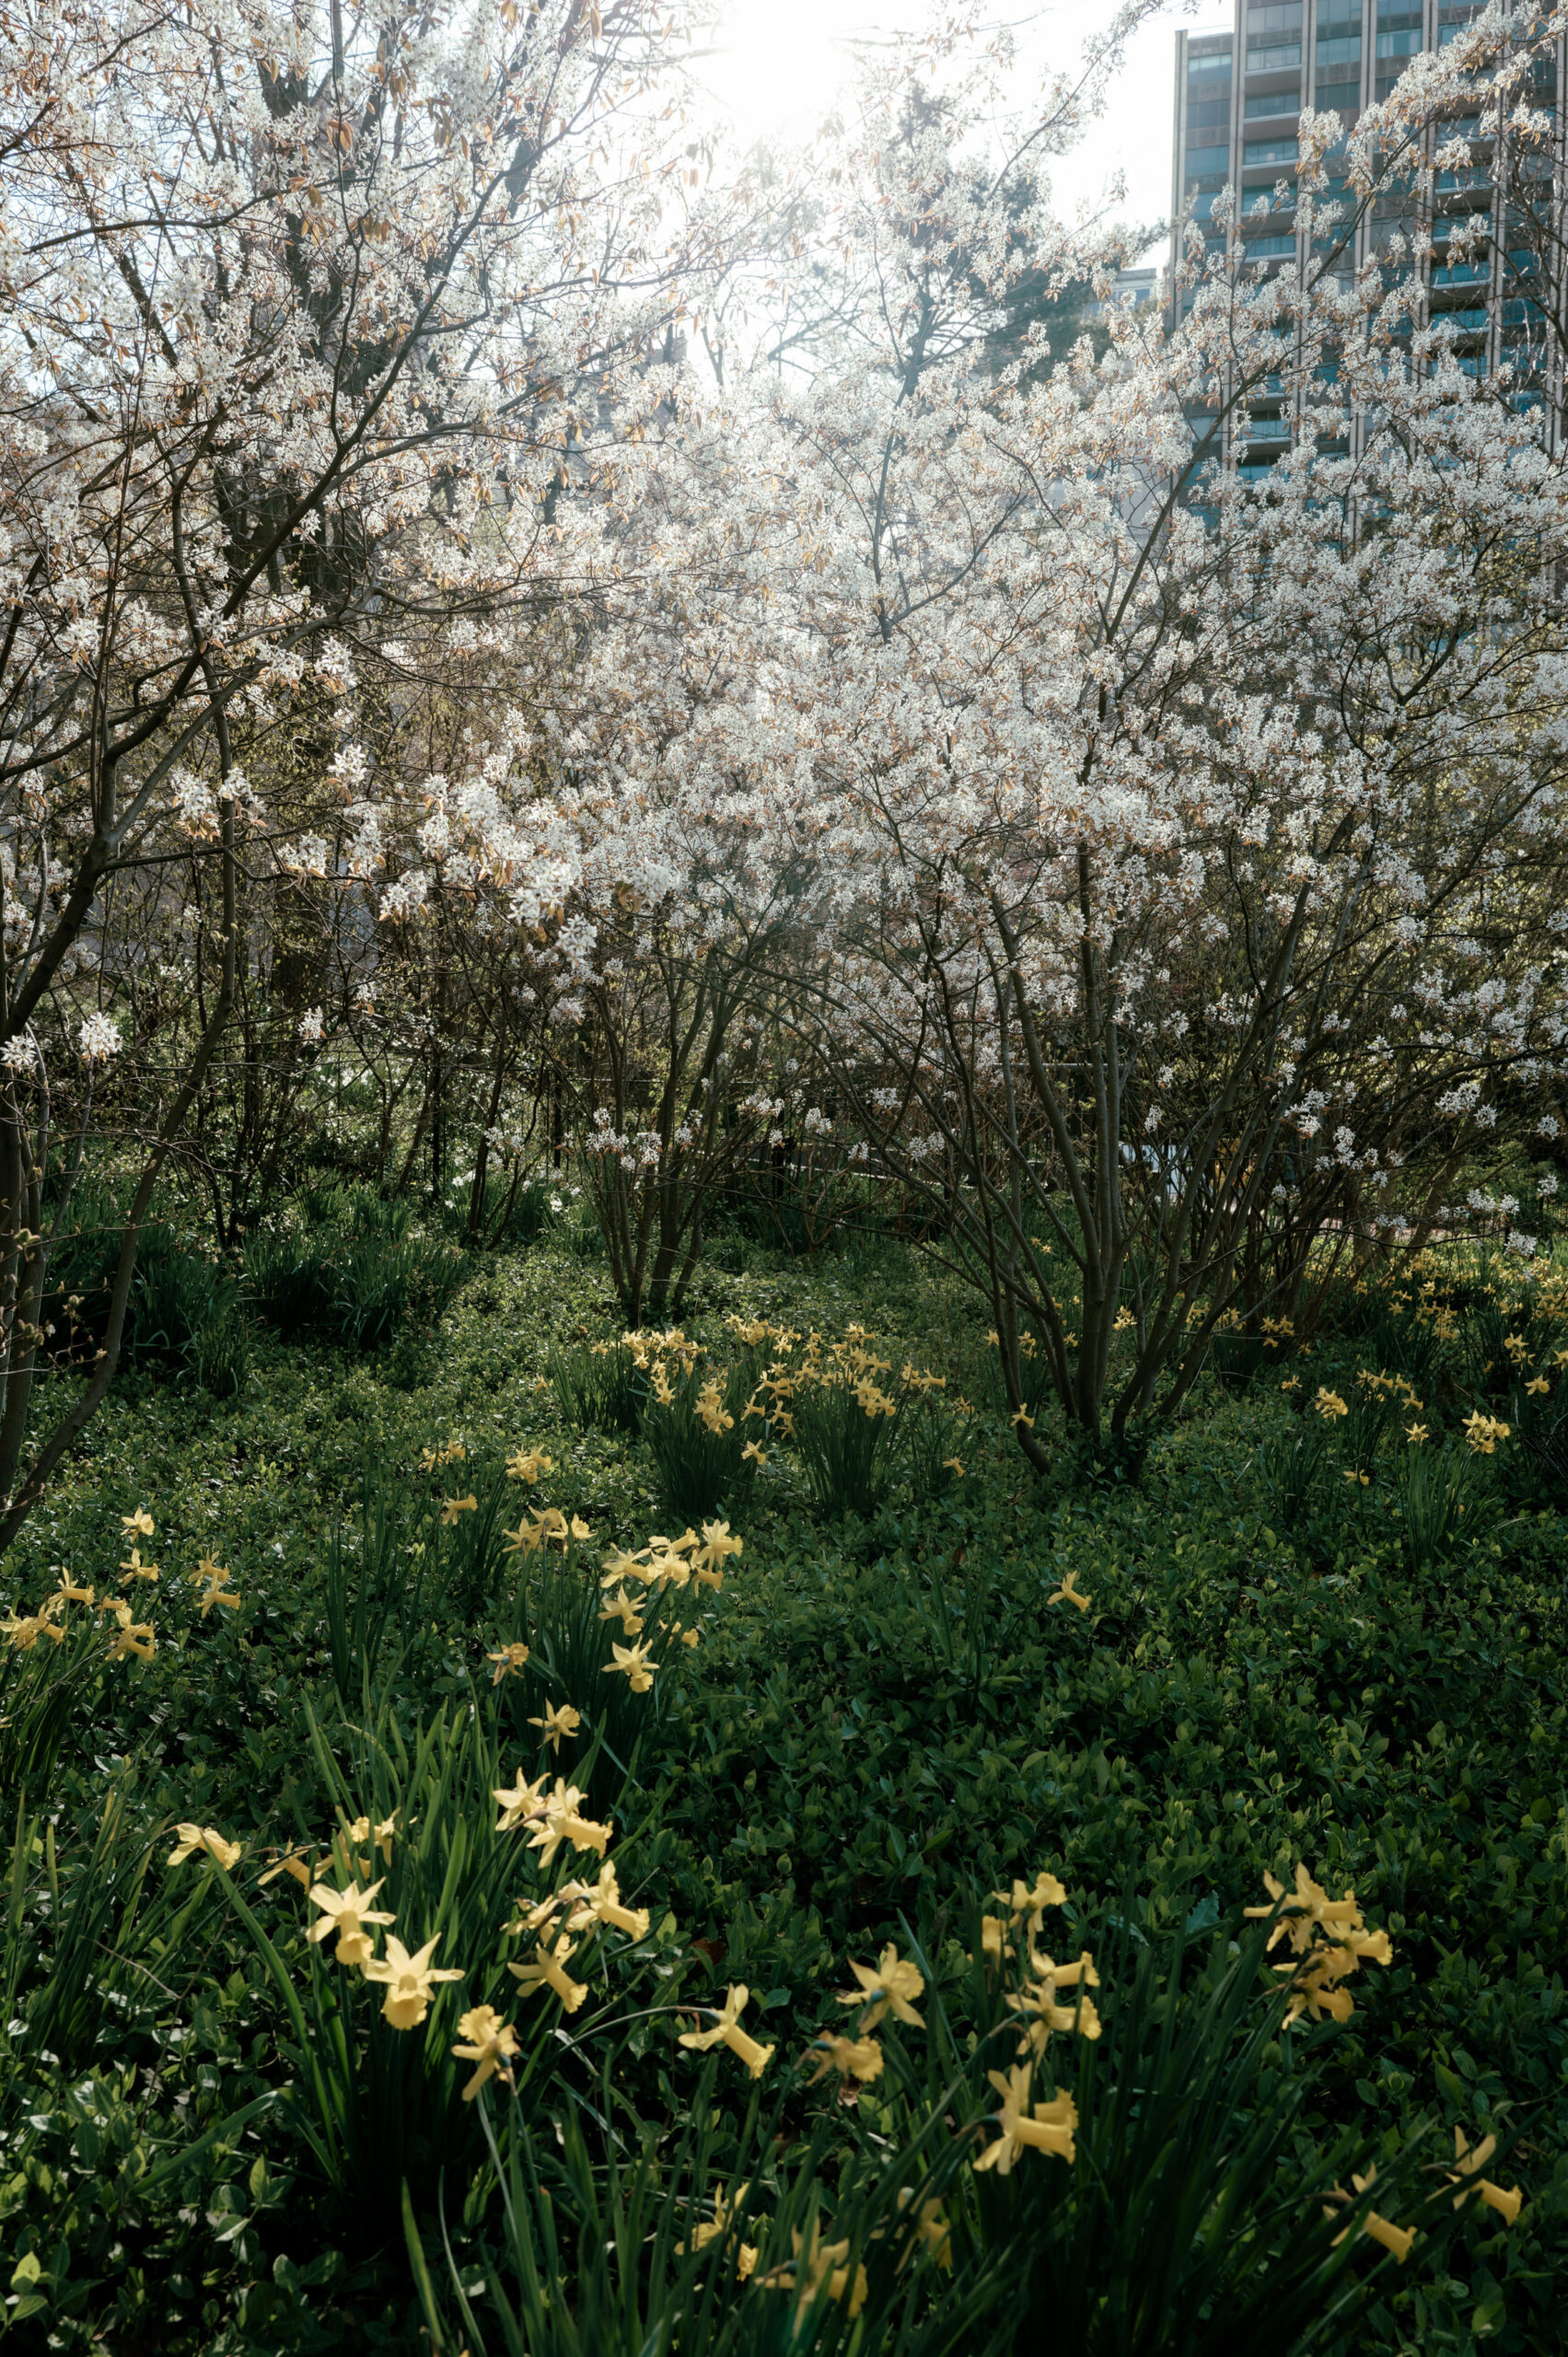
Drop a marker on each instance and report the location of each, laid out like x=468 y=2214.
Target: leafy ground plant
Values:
x=876 y=1720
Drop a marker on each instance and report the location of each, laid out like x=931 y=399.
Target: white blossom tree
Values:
x=309 y=341
x=1192 y=846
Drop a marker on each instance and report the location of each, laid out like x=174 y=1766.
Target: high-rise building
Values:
x=1238 y=97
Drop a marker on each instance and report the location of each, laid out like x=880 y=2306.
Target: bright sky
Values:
x=784 y=59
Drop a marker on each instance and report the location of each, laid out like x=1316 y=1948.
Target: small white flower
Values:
x=310 y=1025
x=99 y=1039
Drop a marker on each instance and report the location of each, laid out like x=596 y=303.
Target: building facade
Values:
x=1238 y=95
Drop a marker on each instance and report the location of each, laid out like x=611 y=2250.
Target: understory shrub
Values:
x=349 y=1267
x=598 y=1386
x=186 y=1311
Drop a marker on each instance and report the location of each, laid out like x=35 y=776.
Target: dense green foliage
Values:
x=886 y=1716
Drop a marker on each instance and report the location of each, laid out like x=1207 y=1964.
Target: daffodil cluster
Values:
x=549 y=1527
x=1012 y=1938
x=1329 y=1941
x=561 y=1921
x=339 y=1890
x=664 y=1566
x=853 y=1367
x=816 y=2265
x=1483 y=1432
x=444 y=1453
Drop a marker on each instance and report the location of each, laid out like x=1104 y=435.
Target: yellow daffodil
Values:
x=668 y=1569
x=1023 y=1420
x=600 y=1902
x=298 y=1864
x=217 y=1590
x=1329 y=1404
x=527 y=1464
x=1537 y=1385
x=1042 y=2127
x=383 y=1835
x=1329 y=1940
x=138 y=1525
x=620 y=1565
x=994 y=1940
x=520 y=1803
x=822 y=2263
x=621 y=1608
x=132 y=1637
x=204 y=1838
x=548 y=1970
x=706 y=2231
x=508 y=1661
x=557 y=1722
x=892 y=1988
x=69 y=1593
x=726 y=2031
x=752 y=1455
x=1469 y=2161
x=563 y=1821
x=633 y=1661
x=711 y=1409
x=132 y=1567
x=853 y=2057
x=1068 y=1592
x=23 y=1634
x=1484 y=1433
x=484 y=2039
x=1025 y=1898
x=952 y=1465
x=409 y=1981
x=1306 y=1908
x=350 y=1914
x=931 y=2227
x=446 y=1452
x=453 y=1507
x=1396 y=2239
x=719 y=1545
x=1416 y=1433
x=690 y=1636
x=1040 y=2010
x=217 y=1577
